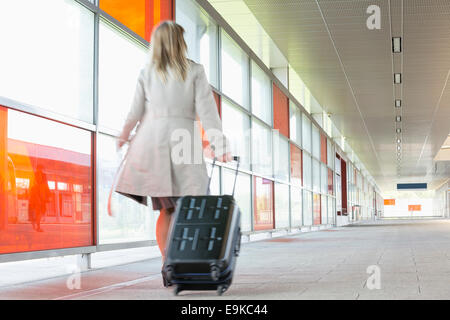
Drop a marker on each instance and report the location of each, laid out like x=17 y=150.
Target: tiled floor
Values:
x=413 y=257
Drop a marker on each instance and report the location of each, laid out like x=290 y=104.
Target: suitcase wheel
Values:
x=168 y=273
x=176 y=290
x=221 y=289
x=215 y=272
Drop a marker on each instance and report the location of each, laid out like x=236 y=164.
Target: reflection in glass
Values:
x=45 y=184
x=201 y=36
x=296 y=166
x=263 y=219
x=120 y=62
x=317 y=208
x=281 y=205
x=47 y=55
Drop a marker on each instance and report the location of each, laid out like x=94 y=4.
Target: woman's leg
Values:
x=162 y=228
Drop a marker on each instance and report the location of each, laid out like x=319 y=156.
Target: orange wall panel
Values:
x=280 y=111
x=45 y=184
x=139 y=15
x=264 y=204
x=414 y=207
x=323 y=148
x=389 y=202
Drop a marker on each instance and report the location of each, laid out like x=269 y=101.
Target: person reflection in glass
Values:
x=39 y=196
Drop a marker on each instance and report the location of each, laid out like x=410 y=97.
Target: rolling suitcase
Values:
x=203 y=242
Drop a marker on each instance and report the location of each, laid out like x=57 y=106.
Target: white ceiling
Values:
x=349 y=69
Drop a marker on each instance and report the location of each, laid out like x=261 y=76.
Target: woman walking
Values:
x=162 y=163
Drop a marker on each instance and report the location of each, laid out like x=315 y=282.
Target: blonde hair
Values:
x=169 y=50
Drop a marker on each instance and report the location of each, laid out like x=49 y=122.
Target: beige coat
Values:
x=161 y=112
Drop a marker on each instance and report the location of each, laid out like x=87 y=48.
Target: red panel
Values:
x=317 y=209
x=264 y=204
x=157 y=11
x=296 y=165
x=323 y=148
x=280 y=111
x=344 y=186
x=330 y=182
x=45 y=188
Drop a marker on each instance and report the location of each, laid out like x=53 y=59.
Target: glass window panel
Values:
x=281 y=157
x=45 y=184
x=242 y=195
x=316 y=175
x=261 y=148
x=236 y=126
x=261 y=95
x=307 y=208
x=200 y=35
x=323 y=178
x=295 y=123
x=48 y=55
x=324 y=210
x=120 y=62
x=296 y=166
x=316 y=142
x=306 y=133
x=330 y=154
x=263 y=219
x=131 y=221
x=331 y=210
x=307 y=171
x=280 y=111
x=330 y=182
x=296 y=207
x=317 y=209
x=281 y=205
x=234 y=71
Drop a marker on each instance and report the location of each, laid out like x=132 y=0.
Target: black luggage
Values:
x=203 y=242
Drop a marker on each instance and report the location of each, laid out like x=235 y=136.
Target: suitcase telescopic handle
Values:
x=238 y=161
